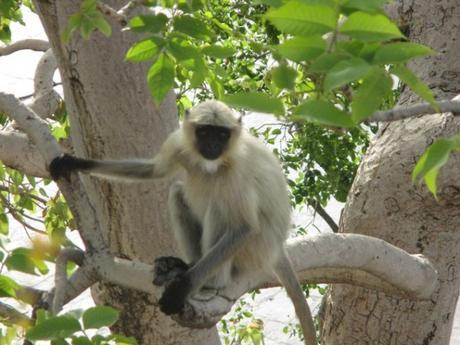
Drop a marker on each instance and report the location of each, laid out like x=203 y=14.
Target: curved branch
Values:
x=401 y=113
x=60 y=277
x=32 y=44
x=46 y=99
x=328 y=258
x=323 y=214
x=10 y=315
x=18 y=152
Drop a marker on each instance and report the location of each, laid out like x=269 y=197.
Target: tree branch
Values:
x=60 y=275
x=10 y=315
x=328 y=258
x=401 y=113
x=32 y=44
x=46 y=99
x=18 y=152
x=111 y=12
x=73 y=190
x=121 y=16
x=322 y=212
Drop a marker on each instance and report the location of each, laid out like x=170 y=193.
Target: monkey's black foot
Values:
x=166 y=268
x=173 y=299
x=62 y=166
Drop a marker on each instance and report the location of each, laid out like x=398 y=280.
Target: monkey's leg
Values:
x=187 y=232
x=173 y=299
x=187 y=229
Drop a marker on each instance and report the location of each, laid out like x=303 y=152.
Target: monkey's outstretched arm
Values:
x=134 y=169
x=173 y=298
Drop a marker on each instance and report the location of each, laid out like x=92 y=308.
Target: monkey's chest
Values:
x=212 y=197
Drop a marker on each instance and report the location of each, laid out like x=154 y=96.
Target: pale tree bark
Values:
x=384 y=203
x=112 y=116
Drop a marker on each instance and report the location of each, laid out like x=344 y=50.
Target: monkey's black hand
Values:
x=173 y=299
x=62 y=166
x=166 y=268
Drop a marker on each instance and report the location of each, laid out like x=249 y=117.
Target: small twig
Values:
x=32 y=44
x=24 y=193
x=111 y=12
x=17 y=216
x=10 y=315
x=121 y=16
x=401 y=113
x=322 y=212
x=131 y=5
x=60 y=277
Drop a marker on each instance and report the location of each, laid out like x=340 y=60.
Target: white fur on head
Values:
x=213 y=113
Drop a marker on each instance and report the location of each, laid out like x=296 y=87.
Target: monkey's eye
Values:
x=201 y=131
x=224 y=134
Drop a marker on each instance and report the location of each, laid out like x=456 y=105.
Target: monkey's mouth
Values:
x=211 y=154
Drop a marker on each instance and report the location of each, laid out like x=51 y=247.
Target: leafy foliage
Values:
x=67 y=329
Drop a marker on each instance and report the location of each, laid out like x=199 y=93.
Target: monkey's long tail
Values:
x=287 y=276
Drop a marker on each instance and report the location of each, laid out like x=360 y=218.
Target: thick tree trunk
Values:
x=384 y=203
x=112 y=116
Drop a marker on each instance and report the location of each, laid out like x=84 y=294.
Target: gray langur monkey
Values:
x=230 y=216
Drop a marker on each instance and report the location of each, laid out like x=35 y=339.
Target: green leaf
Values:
x=183 y=50
x=345 y=72
x=8 y=287
x=122 y=340
x=20 y=262
x=148 y=23
x=302 y=48
x=59 y=341
x=74 y=23
x=88 y=6
x=160 y=77
x=81 y=341
x=322 y=112
x=4 y=224
x=371 y=94
x=86 y=27
x=271 y=3
x=430 y=181
x=433 y=158
x=256 y=101
x=326 y=62
x=301 y=19
x=100 y=316
x=365 y=5
x=145 y=50
x=192 y=27
x=218 y=52
x=101 y=24
x=284 y=77
x=216 y=86
x=54 y=328
x=400 y=52
x=421 y=89
x=370 y=27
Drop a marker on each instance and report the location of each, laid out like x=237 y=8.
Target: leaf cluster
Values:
x=72 y=327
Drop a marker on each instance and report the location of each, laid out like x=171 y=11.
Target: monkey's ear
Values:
x=187 y=113
x=240 y=119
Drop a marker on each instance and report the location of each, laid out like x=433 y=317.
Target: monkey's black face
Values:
x=212 y=140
